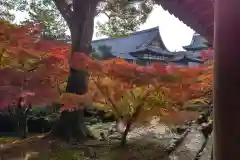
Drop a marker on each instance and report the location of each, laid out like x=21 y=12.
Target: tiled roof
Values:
x=198 y=42
x=122 y=46
x=185 y=54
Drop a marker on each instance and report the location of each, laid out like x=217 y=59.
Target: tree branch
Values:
x=64 y=9
x=103 y=12
x=109 y=99
x=106 y=15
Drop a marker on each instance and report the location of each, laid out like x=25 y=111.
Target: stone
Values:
x=190 y=146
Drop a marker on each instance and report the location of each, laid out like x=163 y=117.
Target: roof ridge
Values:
x=134 y=33
x=193 y=42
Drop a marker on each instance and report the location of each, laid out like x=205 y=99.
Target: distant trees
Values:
x=124 y=17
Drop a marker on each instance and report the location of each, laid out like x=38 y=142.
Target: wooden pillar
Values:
x=227 y=80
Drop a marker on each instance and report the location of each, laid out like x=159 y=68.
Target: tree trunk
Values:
x=81 y=28
x=25 y=127
x=71 y=125
x=125 y=133
x=130 y=121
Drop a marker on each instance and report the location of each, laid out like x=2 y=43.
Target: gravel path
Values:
x=155 y=132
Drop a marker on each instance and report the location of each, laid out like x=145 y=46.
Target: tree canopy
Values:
x=26 y=57
x=7 y=8
x=123 y=17
x=46 y=12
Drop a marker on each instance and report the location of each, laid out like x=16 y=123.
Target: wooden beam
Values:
x=227 y=80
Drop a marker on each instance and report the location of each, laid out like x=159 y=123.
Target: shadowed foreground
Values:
x=43 y=148
x=144 y=143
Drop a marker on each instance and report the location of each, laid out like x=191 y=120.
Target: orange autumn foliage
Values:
x=207 y=54
x=32 y=65
x=21 y=66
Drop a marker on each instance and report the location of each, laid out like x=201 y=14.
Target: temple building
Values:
x=144 y=47
x=191 y=56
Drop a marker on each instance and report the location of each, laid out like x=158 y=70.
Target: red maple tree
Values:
x=38 y=69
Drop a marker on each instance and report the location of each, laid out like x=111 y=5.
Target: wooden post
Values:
x=227 y=80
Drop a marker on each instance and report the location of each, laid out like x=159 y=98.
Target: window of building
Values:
x=146 y=56
x=193 y=64
x=161 y=58
x=154 y=57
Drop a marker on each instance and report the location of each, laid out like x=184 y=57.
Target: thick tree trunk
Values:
x=71 y=127
x=81 y=33
x=80 y=20
x=227 y=78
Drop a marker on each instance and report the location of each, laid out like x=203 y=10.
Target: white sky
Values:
x=175 y=33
